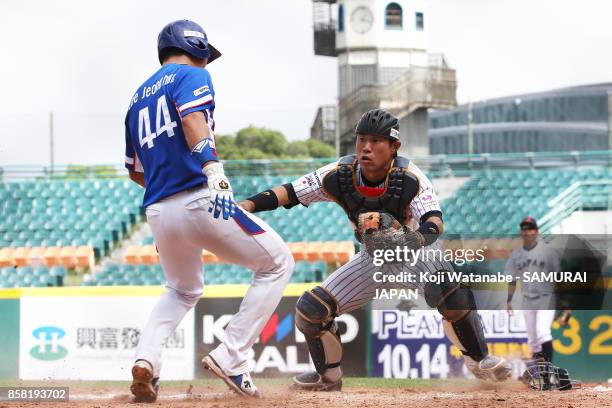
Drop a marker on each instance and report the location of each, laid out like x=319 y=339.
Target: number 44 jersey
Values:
x=154 y=141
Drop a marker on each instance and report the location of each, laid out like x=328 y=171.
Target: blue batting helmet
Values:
x=189 y=37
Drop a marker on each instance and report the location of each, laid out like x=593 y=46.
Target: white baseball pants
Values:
x=538 y=325
x=182 y=227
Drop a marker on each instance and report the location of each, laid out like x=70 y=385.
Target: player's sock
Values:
x=547 y=351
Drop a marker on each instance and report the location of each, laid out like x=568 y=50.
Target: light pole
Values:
x=337 y=138
x=51 y=147
x=609 y=127
x=470 y=135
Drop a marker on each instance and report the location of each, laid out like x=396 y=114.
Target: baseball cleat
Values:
x=144 y=387
x=313 y=381
x=492 y=368
x=241 y=384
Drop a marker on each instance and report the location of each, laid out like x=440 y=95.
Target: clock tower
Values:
x=381 y=47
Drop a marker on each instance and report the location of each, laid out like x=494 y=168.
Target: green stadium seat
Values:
x=142 y=270
x=40 y=271
x=59 y=271
x=5 y=284
x=136 y=280
x=106 y=282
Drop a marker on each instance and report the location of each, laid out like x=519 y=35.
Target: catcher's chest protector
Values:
x=400 y=188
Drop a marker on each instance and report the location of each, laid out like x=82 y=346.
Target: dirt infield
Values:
x=449 y=394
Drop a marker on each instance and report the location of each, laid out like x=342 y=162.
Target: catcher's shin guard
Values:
x=461 y=322
x=467 y=335
x=314 y=317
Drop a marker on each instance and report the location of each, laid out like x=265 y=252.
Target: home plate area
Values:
x=358 y=392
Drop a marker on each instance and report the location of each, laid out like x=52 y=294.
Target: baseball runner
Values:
x=379 y=192
x=534 y=256
x=170 y=150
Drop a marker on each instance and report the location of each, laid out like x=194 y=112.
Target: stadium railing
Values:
x=580 y=194
x=461 y=165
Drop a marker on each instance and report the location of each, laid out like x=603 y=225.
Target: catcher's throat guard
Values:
x=544 y=376
x=401 y=186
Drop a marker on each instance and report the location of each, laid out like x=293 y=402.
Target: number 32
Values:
x=596 y=345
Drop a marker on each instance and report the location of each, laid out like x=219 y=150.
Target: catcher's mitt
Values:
x=379 y=230
x=374 y=221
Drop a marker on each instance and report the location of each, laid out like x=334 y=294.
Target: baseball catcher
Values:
x=391 y=203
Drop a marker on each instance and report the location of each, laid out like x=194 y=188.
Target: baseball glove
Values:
x=379 y=230
x=375 y=221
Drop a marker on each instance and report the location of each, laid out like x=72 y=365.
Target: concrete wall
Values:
x=586 y=222
x=378 y=35
x=413 y=134
x=446 y=187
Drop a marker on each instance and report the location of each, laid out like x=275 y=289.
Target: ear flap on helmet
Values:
x=187 y=36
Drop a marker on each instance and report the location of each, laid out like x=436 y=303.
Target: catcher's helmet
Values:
x=544 y=376
x=187 y=36
x=379 y=122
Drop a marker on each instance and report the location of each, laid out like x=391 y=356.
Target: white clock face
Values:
x=362 y=19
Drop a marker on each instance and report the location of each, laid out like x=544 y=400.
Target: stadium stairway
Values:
x=139 y=234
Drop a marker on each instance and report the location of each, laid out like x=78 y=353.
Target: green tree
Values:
x=271 y=142
x=253 y=142
x=226 y=146
x=253 y=153
x=297 y=149
x=317 y=148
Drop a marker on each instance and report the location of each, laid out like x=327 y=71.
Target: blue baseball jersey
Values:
x=154 y=141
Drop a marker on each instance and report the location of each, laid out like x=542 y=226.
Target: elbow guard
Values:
x=429 y=231
x=293 y=200
x=264 y=201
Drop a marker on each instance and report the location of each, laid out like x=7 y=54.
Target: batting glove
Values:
x=221 y=194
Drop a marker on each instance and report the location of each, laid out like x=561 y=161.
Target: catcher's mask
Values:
x=544 y=376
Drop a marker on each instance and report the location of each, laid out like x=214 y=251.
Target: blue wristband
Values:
x=430 y=232
x=205 y=151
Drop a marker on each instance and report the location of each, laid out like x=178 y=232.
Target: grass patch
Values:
x=377 y=382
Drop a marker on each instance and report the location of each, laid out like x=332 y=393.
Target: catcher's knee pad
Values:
x=451 y=299
x=314 y=317
x=315 y=310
